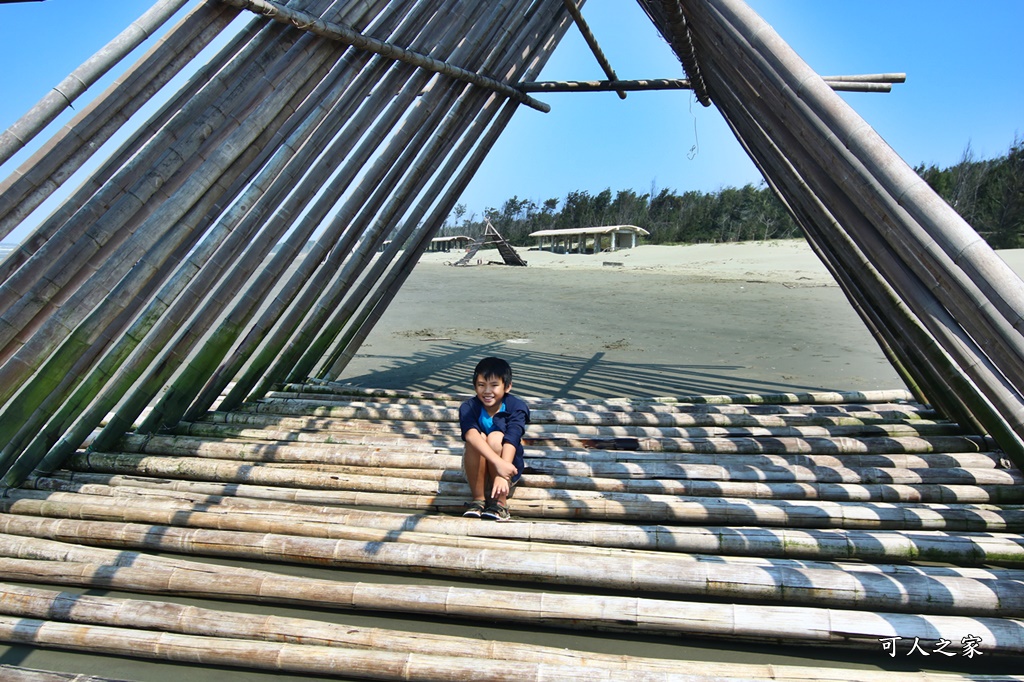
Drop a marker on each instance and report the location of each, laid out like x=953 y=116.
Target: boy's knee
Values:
x=494 y=439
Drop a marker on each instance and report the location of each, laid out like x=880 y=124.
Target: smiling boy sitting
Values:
x=492 y=423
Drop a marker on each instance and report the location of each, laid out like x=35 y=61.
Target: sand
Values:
x=647 y=321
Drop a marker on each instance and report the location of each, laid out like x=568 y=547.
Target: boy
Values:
x=492 y=426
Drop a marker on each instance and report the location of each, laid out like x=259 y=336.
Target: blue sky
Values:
x=964 y=62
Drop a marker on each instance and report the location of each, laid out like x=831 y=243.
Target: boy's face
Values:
x=490 y=391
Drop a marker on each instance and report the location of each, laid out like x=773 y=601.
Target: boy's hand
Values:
x=505 y=470
x=500 y=487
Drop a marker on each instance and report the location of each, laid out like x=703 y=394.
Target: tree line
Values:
x=989 y=194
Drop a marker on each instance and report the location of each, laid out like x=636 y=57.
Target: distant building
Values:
x=448 y=243
x=589 y=239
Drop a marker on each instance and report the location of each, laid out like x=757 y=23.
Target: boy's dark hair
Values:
x=493 y=368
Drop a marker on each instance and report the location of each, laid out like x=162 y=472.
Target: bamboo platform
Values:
x=851 y=523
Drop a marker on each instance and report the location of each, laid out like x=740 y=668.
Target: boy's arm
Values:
x=515 y=424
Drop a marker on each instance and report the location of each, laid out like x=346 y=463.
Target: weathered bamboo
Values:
x=374 y=297
x=606 y=463
x=19 y=674
x=107 y=213
x=883 y=404
x=943 y=227
x=224 y=470
x=246 y=381
x=292 y=207
x=595 y=48
x=293 y=658
x=454 y=532
x=346 y=35
x=807 y=543
x=98 y=121
x=965 y=297
x=78 y=81
x=174 y=403
x=804 y=624
x=49 y=241
x=935 y=365
x=898 y=328
x=213 y=175
x=898 y=592
x=299 y=330
x=841 y=83
x=85 y=609
x=784 y=130
x=142 y=614
x=649 y=443
x=240 y=222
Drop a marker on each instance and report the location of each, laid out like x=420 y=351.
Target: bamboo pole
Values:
x=183 y=391
x=85 y=609
x=346 y=35
x=807 y=625
x=607 y=463
x=606 y=438
x=306 y=319
x=940 y=226
x=292 y=658
x=713 y=510
x=293 y=206
x=37 y=251
x=884 y=298
x=64 y=94
x=884 y=404
x=226 y=470
x=190 y=114
x=805 y=543
x=784 y=130
x=20 y=674
x=257 y=125
x=240 y=223
x=69 y=148
x=140 y=614
x=838 y=83
x=373 y=304
x=245 y=382
x=455 y=532
x=595 y=48
x=105 y=212
x=960 y=291
x=770 y=402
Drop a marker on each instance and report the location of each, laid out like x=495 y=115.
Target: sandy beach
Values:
x=648 y=321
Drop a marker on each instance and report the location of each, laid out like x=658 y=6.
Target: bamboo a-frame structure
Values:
x=230 y=247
